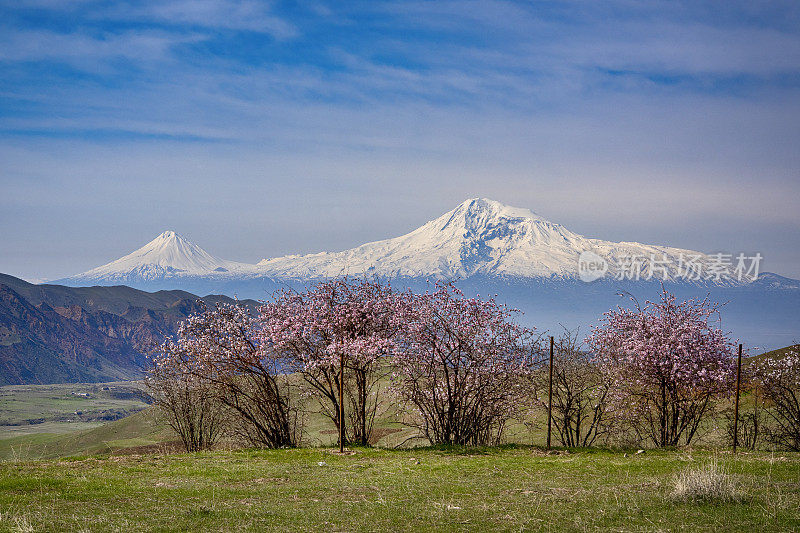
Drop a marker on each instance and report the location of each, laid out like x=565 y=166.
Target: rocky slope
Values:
x=55 y=334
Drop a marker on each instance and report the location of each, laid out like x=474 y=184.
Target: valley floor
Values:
x=66 y=407
x=507 y=489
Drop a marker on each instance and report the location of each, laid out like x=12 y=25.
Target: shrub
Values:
x=219 y=348
x=463 y=367
x=750 y=428
x=580 y=394
x=186 y=402
x=779 y=378
x=338 y=330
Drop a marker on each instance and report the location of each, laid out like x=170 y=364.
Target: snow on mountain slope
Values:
x=169 y=254
x=478 y=237
x=485 y=237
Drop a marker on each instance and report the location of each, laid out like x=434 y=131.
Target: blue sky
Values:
x=259 y=129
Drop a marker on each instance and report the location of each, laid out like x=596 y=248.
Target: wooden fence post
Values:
x=736 y=408
x=550 y=396
x=341 y=403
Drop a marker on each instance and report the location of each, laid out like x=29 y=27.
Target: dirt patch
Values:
x=161 y=448
x=379 y=433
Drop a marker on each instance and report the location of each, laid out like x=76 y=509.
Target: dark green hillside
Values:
x=780 y=352
x=116 y=300
x=57 y=334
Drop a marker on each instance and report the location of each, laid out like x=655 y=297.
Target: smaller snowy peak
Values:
x=168 y=254
x=171 y=250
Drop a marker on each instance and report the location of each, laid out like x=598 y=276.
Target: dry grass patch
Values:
x=708 y=483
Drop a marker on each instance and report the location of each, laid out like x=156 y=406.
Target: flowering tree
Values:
x=187 y=403
x=668 y=365
x=220 y=348
x=339 y=329
x=461 y=366
x=779 y=380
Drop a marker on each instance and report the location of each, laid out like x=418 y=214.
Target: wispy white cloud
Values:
x=650 y=36
x=90 y=52
x=249 y=15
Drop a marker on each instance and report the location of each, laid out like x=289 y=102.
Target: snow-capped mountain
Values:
x=168 y=255
x=485 y=237
x=479 y=237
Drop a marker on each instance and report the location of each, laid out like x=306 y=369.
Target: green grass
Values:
x=508 y=489
x=119 y=477
x=141 y=429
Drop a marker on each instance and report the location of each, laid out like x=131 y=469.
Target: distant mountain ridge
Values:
x=479 y=237
x=56 y=334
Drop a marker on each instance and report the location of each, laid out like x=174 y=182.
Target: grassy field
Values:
x=60 y=433
x=507 y=489
x=48 y=421
x=141 y=432
x=144 y=432
x=127 y=475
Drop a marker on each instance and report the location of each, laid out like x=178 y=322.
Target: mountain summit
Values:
x=478 y=237
x=167 y=255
